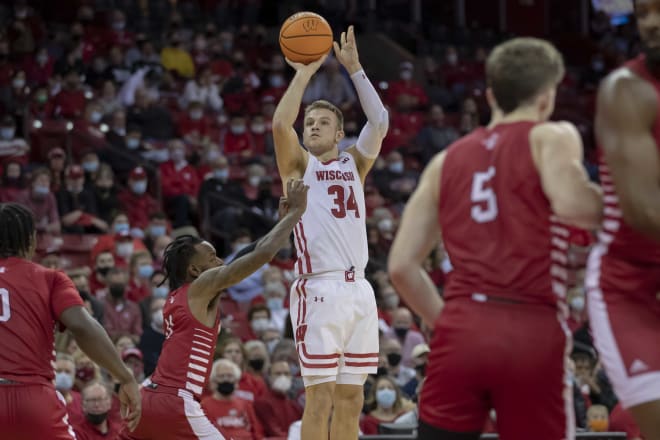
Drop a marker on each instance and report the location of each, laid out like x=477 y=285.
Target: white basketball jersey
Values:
x=332 y=233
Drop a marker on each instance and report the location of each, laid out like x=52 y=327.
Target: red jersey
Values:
x=187 y=356
x=32 y=298
x=497 y=224
x=630 y=261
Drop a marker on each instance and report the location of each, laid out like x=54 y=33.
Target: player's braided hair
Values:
x=16 y=230
x=176 y=259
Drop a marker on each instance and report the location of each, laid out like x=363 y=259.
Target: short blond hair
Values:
x=322 y=103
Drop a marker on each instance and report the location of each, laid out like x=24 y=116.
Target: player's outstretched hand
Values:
x=347 y=52
x=311 y=68
x=131 y=406
x=296 y=195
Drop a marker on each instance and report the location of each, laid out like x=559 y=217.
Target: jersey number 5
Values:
x=484 y=202
x=342 y=204
x=5 y=312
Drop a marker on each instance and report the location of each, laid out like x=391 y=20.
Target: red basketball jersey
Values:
x=497 y=225
x=630 y=261
x=32 y=298
x=187 y=356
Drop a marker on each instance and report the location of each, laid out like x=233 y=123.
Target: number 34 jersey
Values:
x=497 y=224
x=332 y=234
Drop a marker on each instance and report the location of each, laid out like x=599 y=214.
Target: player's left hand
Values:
x=283 y=208
x=347 y=53
x=130 y=403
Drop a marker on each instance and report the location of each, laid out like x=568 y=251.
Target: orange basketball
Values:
x=305 y=37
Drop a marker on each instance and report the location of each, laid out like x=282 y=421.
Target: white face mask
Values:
x=63 y=381
x=125 y=249
x=406 y=75
x=577 y=303
x=282 y=384
x=254 y=180
x=259 y=325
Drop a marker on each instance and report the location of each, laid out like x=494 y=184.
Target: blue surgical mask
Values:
x=95 y=117
x=386 y=398
x=90 y=167
x=145 y=271
x=222 y=174
x=63 y=381
x=7 y=133
x=237 y=129
x=41 y=190
x=132 y=143
x=157 y=230
x=160 y=292
x=396 y=167
x=121 y=227
x=139 y=187
x=275 y=303
x=196 y=115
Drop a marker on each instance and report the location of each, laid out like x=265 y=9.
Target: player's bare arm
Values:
x=371 y=137
x=94 y=341
x=415 y=239
x=557 y=152
x=210 y=283
x=625 y=117
x=291 y=157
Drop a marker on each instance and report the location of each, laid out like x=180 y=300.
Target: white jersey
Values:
x=332 y=233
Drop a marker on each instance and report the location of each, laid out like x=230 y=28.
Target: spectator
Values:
x=106 y=193
x=621 y=420
x=154 y=121
x=77 y=206
x=247 y=388
x=259 y=319
x=41 y=201
x=237 y=142
x=158 y=249
x=56 y=163
x=399 y=373
x=117 y=133
x=133 y=359
x=598 y=418
x=12 y=148
x=124 y=248
x=96 y=405
x=395 y=183
x=90 y=164
x=252 y=286
x=13 y=182
x=402 y=321
x=406 y=94
x=151 y=342
x=104 y=262
x=70 y=101
x=419 y=359
x=157 y=227
x=387 y=405
x=108 y=101
x=176 y=58
x=275 y=409
x=233 y=416
x=65 y=370
x=194 y=127
x=202 y=89
x=257 y=359
x=180 y=184
x=142 y=268
x=121 y=316
x=117 y=69
x=592 y=382
x=39 y=68
x=330 y=84
x=108 y=243
x=143 y=54
x=81 y=281
x=435 y=136
x=139 y=204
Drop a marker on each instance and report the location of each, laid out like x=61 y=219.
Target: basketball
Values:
x=305 y=37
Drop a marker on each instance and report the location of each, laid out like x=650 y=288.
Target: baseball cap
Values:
x=131 y=352
x=56 y=152
x=138 y=173
x=75 y=172
x=419 y=350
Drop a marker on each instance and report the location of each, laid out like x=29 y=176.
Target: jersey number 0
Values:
x=484 y=202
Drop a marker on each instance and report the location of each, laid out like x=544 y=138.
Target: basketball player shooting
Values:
x=333 y=309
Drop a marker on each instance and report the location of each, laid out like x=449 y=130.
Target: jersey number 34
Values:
x=484 y=202
x=342 y=203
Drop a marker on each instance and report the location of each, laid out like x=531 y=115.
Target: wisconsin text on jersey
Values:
x=322 y=175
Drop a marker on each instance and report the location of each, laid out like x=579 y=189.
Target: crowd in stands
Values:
x=123 y=128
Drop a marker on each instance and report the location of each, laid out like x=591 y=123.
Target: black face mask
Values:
x=103 y=271
x=394 y=359
x=96 y=419
x=381 y=371
x=117 y=290
x=225 y=388
x=400 y=332
x=256 y=364
x=421 y=369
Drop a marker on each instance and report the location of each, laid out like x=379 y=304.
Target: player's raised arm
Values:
x=416 y=237
x=625 y=119
x=211 y=282
x=557 y=152
x=291 y=157
x=371 y=137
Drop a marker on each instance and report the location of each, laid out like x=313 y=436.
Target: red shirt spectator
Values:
x=237 y=140
x=194 y=123
x=234 y=418
x=120 y=315
x=42 y=202
x=621 y=420
x=275 y=409
x=415 y=96
x=85 y=430
x=178 y=179
x=69 y=102
x=139 y=204
x=249 y=387
x=39 y=68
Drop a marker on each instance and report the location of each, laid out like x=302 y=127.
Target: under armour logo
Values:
x=638 y=366
x=317 y=299
x=310 y=25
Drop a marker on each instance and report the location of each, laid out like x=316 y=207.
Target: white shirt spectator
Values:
x=208 y=96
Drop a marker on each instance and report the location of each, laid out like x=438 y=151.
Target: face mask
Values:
x=225 y=388
x=117 y=291
x=270 y=345
x=63 y=381
x=400 y=332
x=157 y=318
x=139 y=187
x=42 y=59
x=178 y=156
x=118 y=25
x=381 y=371
x=254 y=180
x=157 y=230
x=41 y=190
x=598 y=425
x=96 y=419
x=452 y=59
x=385 y=225
x=396 y=167
x=125 y=249
x=282 y=384
x=196 y=115
x=221 y=174
x=90 y=167
x=258 y=128
x=132 y=143
x=394 y=359
x=7 y=133
x=145 y=271
x=237 y=129
x=386 y=398
x=256 y=364
x=160 y=292
x=406 y=75
x=121 y=227
x=18 y=83
x=95 y=117
x=577 y=303
x=85 y=373
x=259 y=325
x=276 y=81
x=275 y=304
x=103 y=271
x=421 y=369
x=120 y=131
x=391 y=301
